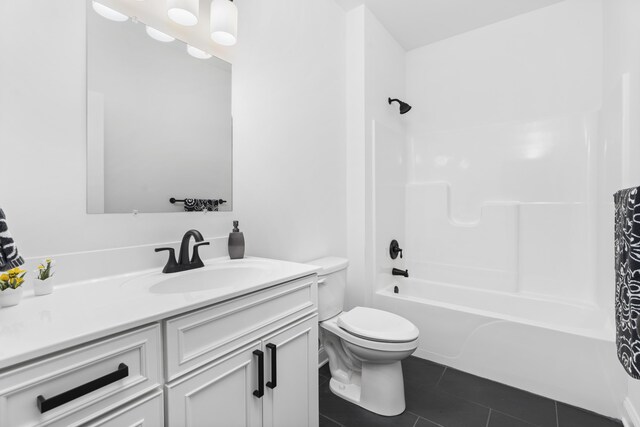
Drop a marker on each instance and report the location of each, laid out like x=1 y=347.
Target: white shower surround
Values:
x=510 y=295
x=493 y=188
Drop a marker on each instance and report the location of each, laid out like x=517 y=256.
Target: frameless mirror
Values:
x=158 y=122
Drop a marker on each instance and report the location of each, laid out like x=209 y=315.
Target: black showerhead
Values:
x=404 y=107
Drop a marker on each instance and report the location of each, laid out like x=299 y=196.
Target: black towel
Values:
x=9 y=256
x=627 y=265
x=199 y=205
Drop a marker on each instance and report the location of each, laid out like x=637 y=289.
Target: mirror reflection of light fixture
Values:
x=159 y=35
x=107 y=12
x=197 y=53
x=224 y=22
x=183 y=12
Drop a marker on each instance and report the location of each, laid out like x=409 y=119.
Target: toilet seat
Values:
x=331 y=325
x=377 y=325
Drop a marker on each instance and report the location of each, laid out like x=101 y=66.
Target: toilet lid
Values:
x=377 y=325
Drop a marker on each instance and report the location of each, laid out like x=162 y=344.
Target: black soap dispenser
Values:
x=236 y=243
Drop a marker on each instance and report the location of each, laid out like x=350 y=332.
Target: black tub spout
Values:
x=398 y=272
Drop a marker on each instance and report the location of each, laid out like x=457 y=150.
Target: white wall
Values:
x=289 y=128
x=157 y=99
x=358 y=207
x=289 y=134
x=619 y=147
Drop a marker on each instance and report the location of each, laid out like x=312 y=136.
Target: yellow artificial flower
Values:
x=41 y=267
x=4 y=277
x=16 y=271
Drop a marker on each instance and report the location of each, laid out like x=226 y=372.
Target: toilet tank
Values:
x=332 y=283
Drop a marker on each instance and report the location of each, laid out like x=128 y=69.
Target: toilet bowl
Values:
x=364 y=346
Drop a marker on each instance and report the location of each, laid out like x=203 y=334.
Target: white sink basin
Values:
x=206 y=278
x=221 y=274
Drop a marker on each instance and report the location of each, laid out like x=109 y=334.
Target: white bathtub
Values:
x=560 y=350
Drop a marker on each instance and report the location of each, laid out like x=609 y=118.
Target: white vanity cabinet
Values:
x=246 y=359
x=254 y=362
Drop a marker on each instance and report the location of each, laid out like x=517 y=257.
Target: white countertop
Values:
x=76 y=313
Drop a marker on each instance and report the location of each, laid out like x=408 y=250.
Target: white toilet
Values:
x=364 y=345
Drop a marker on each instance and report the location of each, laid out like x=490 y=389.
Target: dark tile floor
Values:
x=440 y=396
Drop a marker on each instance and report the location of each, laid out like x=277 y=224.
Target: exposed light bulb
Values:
x=197 y=53
x=224 y=22
x=107 y=12
x=159 y=35
x=183 y=12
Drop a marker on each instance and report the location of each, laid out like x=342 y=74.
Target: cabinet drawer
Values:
x=199 y=337
x=144 y=412
x=82 y=383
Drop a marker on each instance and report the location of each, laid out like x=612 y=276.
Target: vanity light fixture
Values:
x=107 y=12
x=224 y=22
x=183 y=12
x=197 y=53
x=159 y=35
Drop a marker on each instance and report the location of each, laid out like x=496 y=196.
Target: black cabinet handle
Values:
x=260 y=391
x=45 y=405
x=274 y=375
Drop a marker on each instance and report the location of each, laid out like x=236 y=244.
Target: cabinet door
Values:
x=294 y=399
x=219 y=394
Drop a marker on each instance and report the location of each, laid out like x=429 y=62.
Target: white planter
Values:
x=10 y=297
x=43 y=287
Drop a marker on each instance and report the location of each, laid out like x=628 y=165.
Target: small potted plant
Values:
x=43 y=282
x=11 y=286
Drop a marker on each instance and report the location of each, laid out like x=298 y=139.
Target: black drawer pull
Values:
x=260 y=391
x=274 y=364
x=45 y=405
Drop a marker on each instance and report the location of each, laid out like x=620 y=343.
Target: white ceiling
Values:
x=415 y=23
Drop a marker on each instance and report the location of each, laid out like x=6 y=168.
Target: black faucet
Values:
x=184 y=263
x=398 y=272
